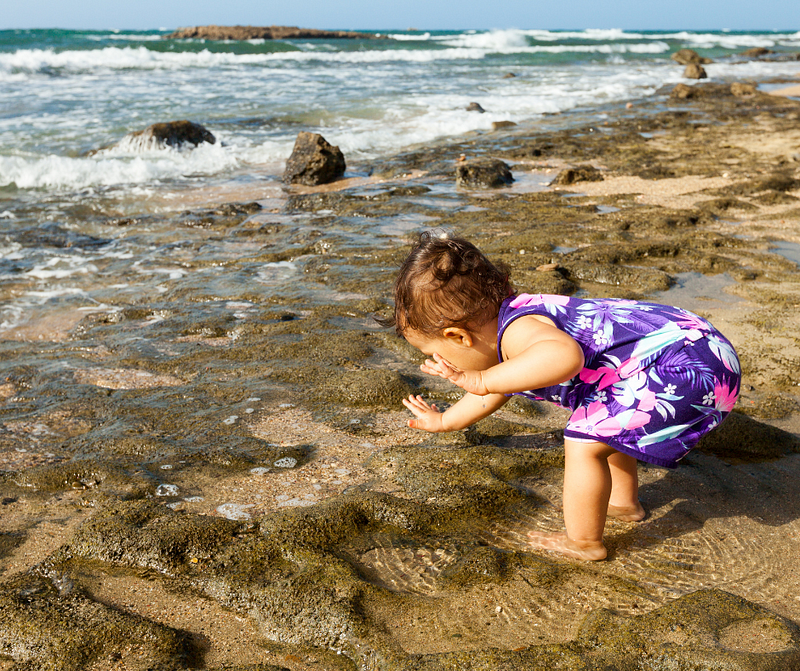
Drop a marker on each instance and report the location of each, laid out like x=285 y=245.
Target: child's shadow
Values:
x=717 y=519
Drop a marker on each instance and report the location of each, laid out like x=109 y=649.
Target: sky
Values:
x=782 y=15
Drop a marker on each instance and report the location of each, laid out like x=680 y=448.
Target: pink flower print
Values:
x=688 y=320
x=629 y=368
x=648 y=401
x=634 y=419
x=594 y=420
x=605 y=374
x=724 y=397
x=526 y=300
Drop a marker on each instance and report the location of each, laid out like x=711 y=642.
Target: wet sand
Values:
x=312 y=529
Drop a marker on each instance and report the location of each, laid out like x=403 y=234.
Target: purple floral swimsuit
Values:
x=655 y=380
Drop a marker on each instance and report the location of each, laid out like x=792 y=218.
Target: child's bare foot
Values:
x=627 y=513
x=561 y=543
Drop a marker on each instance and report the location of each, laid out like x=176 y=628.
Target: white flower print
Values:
x=709 y=398
x=556 y=397
x=584 y=322
x=602 y=396
x=670 y=389
x=600 y=338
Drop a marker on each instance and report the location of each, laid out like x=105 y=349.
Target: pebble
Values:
x=295 y=503
x=194 y=499
x=285 y=462
x=235 y=511
x=253 y=399
x=260 y=470
x=230 y=419
x=167 y=490
x=166 y=467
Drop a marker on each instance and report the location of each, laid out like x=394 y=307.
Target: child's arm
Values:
x=468 y=410
x=537 y=355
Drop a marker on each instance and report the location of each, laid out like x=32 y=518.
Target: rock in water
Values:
x=580 y=173
x=756 y=52
x=475 y=107
x=695 y=71
x=688 y=56
x=174 y=134
x=683 y=91
x=313 y=161
x=740 y=90
x=483 y=172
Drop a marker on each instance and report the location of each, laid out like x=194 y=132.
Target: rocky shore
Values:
x=236 y=33
x=242 y=491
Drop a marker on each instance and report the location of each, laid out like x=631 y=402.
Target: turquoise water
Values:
x=66 y=93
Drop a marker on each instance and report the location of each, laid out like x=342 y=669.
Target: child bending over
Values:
x=643 y=381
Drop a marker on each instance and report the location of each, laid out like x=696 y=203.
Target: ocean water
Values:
x=66 y=94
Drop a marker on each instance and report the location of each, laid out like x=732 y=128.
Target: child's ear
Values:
x=457 y=336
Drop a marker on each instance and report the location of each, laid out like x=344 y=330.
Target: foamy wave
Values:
x=728 y=40
x=65 y=173
x=34 y=61
x=126 y=37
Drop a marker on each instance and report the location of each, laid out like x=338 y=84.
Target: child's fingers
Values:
x=416 y=404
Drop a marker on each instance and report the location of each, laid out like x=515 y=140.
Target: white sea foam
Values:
x=113 y=167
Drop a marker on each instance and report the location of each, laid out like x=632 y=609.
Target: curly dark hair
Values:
x=446 y=281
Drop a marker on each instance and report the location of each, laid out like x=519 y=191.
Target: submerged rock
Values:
x=483 y=172
x=313 y=161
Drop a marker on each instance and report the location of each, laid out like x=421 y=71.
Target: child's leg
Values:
x=587 y=488
x=624 y=502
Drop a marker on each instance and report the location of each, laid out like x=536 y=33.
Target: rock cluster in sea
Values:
x=213 y=32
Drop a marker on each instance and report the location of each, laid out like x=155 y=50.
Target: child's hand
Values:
x=428 y=417
x=468 y=380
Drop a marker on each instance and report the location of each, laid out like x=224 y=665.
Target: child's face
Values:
x=463 y=349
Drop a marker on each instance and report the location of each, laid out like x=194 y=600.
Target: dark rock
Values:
x=475 y=107
x=50 y=624
x=755 y=52
x=174 y=134
x=509 y=75
x=483 y=172
x=497 y=125
x=695 y=71
x=313 y=161
x=52 y=235
x=739 y=89
x=263 y=33
x=580 y=173
x=683 y=91
x=690 y=56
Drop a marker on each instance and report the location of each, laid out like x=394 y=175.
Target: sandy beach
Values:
x=316 y=531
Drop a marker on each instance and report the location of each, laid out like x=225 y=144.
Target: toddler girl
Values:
x=643 y=381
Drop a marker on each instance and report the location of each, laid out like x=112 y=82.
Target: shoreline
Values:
x=395 y=548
